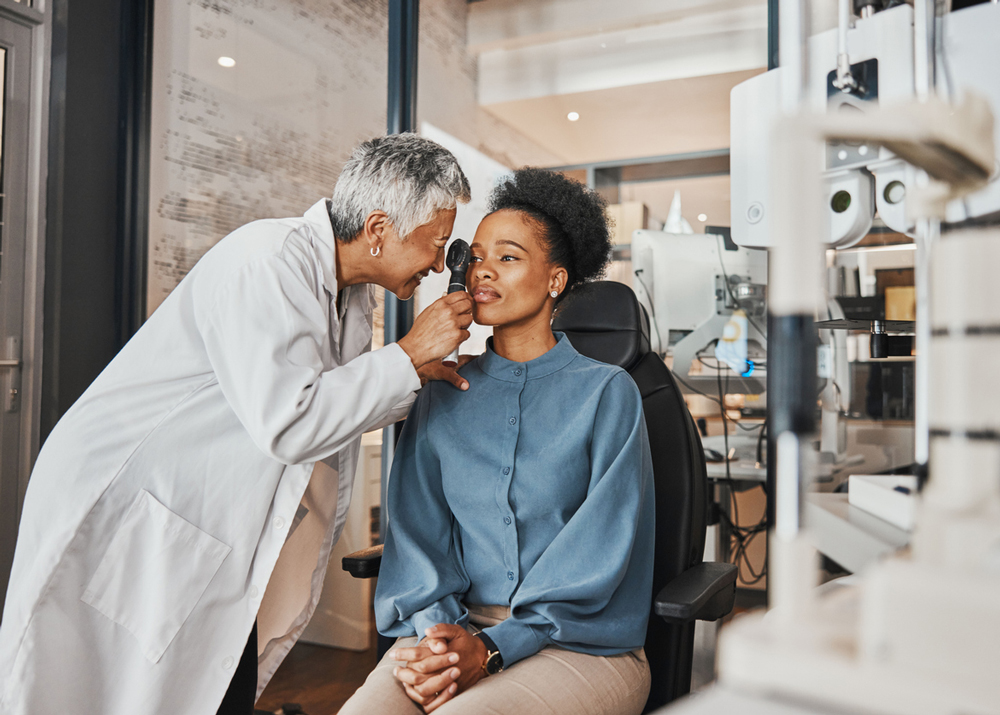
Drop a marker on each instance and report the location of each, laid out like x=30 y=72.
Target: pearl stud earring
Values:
x=554 y=294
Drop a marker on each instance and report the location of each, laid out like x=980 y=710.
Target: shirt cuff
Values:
x=433 y=615
x=516 y=640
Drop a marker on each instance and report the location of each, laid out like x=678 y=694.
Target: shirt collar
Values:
x=552 y=361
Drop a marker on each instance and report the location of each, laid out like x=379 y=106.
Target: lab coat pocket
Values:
x=154 y=572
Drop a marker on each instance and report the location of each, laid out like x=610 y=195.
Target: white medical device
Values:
x=918 y=631
x=692 y=286
x=860 y=178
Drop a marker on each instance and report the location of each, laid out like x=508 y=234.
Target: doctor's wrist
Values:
x=407 y=347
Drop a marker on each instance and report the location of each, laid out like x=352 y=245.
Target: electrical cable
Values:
x=652 y=310
x=694 y=389
x=717 y=367
x=743 y=536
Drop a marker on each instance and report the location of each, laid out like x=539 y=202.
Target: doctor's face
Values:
x=510 y=276
x=407 y=262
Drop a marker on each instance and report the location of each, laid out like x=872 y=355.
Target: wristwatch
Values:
x=494 y=661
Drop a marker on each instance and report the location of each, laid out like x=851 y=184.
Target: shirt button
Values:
x=506 y=520
x=506 y=470
x=278 y=523
x=254 y=592
x=227 y=662
x=513 y=420
x=510 y=577
x=517 y=372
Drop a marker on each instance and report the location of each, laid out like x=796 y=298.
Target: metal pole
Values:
x=928 y=230
x=401 y=116
x=924 y=27
x=927 y=233
x=773 y=56
x=133 y=166
x=793 y=266
x=773 y=61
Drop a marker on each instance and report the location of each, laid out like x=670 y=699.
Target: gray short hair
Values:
x=407 y=176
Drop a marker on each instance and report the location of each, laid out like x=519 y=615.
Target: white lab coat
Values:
x=154 y=521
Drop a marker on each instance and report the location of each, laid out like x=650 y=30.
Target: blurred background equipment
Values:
x=693 y=286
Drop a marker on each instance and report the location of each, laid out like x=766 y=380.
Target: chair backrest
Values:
x=605 y=321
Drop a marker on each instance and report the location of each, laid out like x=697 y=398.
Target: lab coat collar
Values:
x=359 y=296
x=561 y=355
x=319 y=220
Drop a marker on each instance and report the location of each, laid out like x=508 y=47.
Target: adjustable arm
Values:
x=705 y=592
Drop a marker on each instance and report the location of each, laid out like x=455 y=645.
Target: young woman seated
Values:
x=517 y=570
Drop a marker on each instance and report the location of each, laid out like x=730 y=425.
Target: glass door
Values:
x=15 y=68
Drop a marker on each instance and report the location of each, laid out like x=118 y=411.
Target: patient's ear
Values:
x=557 y=279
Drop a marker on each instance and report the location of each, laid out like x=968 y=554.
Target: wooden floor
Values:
x=319 y=679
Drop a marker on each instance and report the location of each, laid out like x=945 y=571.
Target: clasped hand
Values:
x=449 y=660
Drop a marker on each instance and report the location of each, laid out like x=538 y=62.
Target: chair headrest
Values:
x=605 y=321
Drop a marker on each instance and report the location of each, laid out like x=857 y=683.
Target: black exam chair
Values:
x=605 y=321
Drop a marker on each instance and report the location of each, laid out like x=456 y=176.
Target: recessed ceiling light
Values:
x=227 y=62
x=702 y=217
x=573 y=116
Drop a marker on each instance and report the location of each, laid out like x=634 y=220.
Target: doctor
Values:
x=197 y=486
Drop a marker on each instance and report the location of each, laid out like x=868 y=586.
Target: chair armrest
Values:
x=364 y=563
x=704 y=592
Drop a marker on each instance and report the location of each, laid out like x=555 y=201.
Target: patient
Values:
x=517 y=570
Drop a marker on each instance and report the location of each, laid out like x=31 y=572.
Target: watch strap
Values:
x=494 y=659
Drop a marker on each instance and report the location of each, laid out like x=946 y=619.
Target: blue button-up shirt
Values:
x=533 y=489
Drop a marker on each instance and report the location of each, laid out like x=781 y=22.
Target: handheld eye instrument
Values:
x=459 y=256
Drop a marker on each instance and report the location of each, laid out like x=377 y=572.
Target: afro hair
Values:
x=573 y=219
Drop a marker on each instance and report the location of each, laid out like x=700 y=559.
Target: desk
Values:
x=851 y=537
x=744 y=468
x=739 y=471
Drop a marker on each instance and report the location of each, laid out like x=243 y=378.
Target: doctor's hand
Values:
x=436 y=370
x=428 y=678
x=439 y=329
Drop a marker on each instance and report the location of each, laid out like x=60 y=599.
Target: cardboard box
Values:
x=900 y=303
x=627 y=217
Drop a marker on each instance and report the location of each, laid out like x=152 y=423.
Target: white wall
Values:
x=267 y=137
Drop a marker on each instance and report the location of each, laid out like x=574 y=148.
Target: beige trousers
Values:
x=551 y=682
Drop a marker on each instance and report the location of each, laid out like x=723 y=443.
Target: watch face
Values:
x=494 y=664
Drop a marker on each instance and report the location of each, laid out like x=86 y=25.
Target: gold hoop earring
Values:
x=375 y=251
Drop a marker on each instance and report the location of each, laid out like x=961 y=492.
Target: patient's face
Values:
x=511 y=275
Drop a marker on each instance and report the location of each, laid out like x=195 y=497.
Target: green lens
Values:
x=840 y=202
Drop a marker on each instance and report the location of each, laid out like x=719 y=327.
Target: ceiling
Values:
x=648 y=78
x=653 y=119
